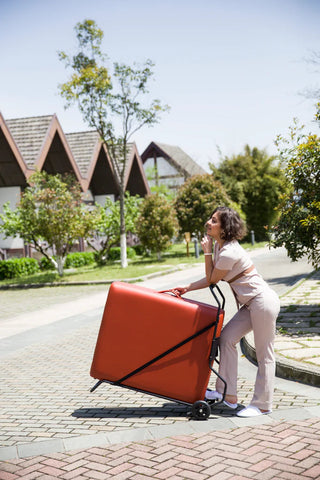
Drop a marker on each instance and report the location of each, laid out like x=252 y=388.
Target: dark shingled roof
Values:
x=82 y=145
x=181 y=160
x=29 y=135
x=118 y=155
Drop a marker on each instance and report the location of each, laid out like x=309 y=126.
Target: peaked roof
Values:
x=13 y=169
x=135 y=178
x=43 y=145
x=84 y=147
x=31 y=143
x=176 y=156
x=29 y=134
x=118 y=155
x=93 y=159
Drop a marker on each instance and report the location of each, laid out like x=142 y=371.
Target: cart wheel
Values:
x=201 y=410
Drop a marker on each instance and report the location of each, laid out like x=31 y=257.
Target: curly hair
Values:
x=233 y=227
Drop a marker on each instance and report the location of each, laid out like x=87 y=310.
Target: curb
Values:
x=22 y=286
x=17 y=286
x=84 y=442
x=289 y=370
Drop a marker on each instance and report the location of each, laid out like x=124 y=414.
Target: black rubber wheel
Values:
x=201 y=410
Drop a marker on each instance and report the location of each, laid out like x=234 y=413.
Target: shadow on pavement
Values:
x=171 y=410
x=288 y=281
x=168 y=410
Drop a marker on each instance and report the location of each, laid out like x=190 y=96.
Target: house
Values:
x=168 y=165
x=39 y=143
x=96 y=168
x=13 y=174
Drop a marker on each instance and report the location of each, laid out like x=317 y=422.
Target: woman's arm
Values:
x=213 y=275
x=202 y=283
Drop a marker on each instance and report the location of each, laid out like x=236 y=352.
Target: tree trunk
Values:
x=60 y=262
x=123 y=236
x=123 y=245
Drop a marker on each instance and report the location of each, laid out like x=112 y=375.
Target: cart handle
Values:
x=223 y=300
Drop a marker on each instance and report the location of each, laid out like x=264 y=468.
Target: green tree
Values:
x=151 y=174
x=157 y=223
x=50 y=216
x=255 y=181
x=298 y=227
x=196 y=199
x=108 y=226
x=111 y=103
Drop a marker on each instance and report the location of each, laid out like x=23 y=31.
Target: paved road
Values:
x=274 y=265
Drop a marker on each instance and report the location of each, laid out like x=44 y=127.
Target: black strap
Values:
x=172 y=349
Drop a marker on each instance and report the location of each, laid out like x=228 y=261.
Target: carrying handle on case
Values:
x=175 y=294
x=212 y=287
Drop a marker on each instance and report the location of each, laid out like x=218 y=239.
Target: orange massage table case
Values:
x=139 y=325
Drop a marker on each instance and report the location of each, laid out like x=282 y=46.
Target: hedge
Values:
x=45 y=264
x=115 y=253
x=73 y=260
x=79 y=259
x=18 y=267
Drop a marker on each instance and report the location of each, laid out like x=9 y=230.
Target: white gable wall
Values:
x=101 y=199
x=167 y=174
x=12 y=195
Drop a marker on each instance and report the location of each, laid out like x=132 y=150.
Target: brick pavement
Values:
x=283 y=450
x=15 y=302
x=45 y=394
x=57 y=429
x=299 y=323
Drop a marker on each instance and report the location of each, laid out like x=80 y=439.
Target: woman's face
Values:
x=213 y=225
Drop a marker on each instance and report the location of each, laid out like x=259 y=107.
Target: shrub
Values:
x=139 y=249
x=79 y=259
x=73 y=260
x=18 y=267
x=157 y=224
x=115 y=253
x=45 y=264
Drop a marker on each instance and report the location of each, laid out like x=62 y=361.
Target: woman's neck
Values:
x=221 y=242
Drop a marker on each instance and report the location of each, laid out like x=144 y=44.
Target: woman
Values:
x=259 y=308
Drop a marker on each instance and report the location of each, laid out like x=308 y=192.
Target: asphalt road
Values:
x=274 y=266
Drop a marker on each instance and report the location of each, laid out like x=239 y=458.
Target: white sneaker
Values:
x=213 y=395
x=252 y=411
x=230 y=405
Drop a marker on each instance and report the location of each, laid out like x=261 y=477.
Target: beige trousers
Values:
x=260 y=316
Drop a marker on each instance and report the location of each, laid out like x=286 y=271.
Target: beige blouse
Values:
x=234 y=258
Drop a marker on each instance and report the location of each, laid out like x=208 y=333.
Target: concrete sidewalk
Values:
x=51 y=426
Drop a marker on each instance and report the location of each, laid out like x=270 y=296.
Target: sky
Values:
x=232 y=71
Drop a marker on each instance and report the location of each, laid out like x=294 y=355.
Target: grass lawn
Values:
x=138 y=267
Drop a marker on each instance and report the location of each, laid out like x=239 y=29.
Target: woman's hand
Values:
x=206 y=244
x=202 y=283
x=179 y=291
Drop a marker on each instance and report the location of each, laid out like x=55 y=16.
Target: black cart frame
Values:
x=201 y=409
